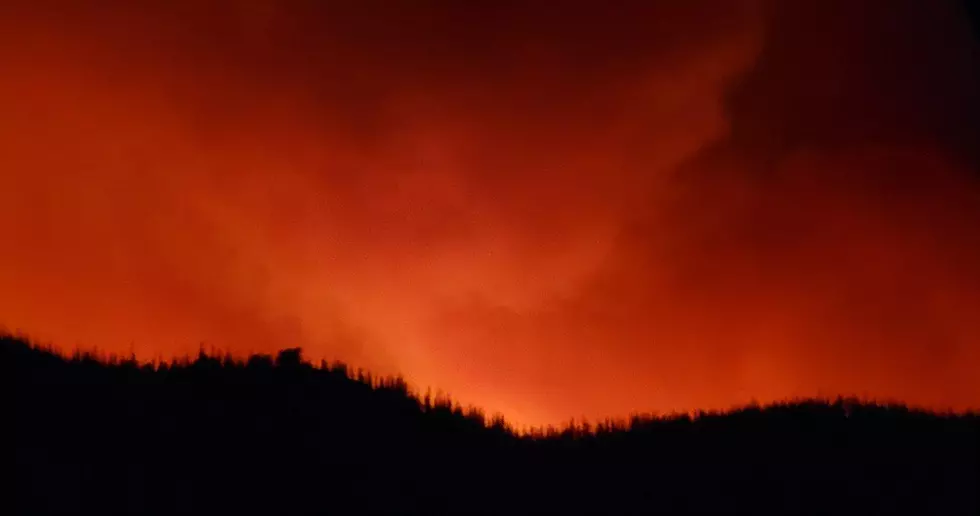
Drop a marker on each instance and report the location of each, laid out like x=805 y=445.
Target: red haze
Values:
x=549 y=211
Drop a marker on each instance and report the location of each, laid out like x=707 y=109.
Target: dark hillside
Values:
x=279 y=436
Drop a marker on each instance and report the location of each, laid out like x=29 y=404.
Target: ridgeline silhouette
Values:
x=215 y=435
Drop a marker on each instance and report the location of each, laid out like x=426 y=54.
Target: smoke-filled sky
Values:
x=548 y=209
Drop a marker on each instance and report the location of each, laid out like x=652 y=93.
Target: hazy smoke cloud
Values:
x=551 y=211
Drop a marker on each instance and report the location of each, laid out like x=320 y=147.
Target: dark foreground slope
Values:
x=278 y=436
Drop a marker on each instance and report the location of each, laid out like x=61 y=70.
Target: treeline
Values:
x=278 y=435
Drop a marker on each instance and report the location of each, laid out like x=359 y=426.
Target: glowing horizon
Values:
x=549 y=213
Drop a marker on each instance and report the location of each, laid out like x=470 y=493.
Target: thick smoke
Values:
x=551 y=210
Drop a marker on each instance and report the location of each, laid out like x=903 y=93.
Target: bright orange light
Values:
x=659 y=206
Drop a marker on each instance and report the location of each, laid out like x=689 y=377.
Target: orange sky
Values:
x=546 y=209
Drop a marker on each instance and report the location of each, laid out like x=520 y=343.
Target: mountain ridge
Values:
x=279 y=435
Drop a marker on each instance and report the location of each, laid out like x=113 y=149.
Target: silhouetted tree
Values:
x=290 y=358
x=90 y=435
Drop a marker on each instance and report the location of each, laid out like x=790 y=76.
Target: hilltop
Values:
x=278 y=435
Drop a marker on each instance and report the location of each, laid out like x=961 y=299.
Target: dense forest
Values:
x=278 y=435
